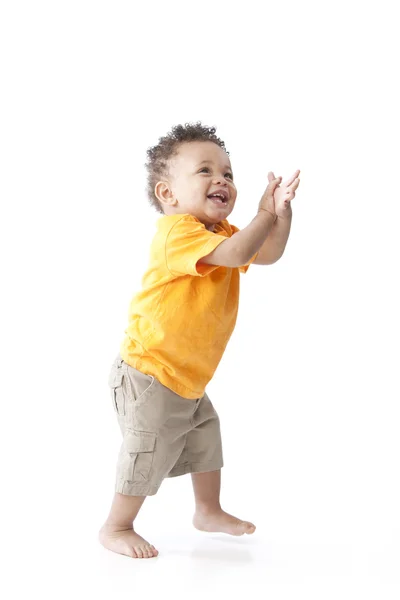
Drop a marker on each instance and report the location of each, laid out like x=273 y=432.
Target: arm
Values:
x=274 y=245
x=237 y=250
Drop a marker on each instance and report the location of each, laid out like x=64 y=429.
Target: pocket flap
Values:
x=115 y=379
x=139 y=441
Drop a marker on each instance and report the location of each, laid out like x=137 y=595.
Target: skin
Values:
x=185 y=190
x=119 y=535
x=189 y=181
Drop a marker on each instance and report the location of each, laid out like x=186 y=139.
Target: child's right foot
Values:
x=126 y=541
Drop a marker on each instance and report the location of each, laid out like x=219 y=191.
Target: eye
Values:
x=207 y=170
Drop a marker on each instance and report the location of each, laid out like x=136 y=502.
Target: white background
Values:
x=307 y=391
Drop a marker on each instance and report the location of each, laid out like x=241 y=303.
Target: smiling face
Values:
x=199 y=182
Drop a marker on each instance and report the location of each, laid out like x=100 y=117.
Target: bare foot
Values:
x=222 y=521
x=126 y=541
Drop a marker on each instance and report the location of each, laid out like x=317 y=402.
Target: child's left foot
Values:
x=222 y=522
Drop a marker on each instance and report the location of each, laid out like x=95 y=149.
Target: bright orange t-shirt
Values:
x=181 y=320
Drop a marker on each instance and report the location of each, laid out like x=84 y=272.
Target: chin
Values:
x=224 y=213
x=220 y=210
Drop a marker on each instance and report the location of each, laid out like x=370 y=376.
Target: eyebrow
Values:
x=203 y=162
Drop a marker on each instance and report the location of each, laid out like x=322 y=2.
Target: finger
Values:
x=274 y=182
x=294 y=185
x=293 y=177
x=289 y=194
x=271 y=176
x=271 y=187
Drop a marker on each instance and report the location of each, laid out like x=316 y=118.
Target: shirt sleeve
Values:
x=244 y=268
x=187 y=242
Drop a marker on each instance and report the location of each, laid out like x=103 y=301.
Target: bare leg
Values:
x=209 y=515
x=117 y=533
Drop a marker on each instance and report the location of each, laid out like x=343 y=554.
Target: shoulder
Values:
x=168 y=222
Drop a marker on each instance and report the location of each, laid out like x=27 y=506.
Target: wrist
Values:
x=286 y=215
x=268 y=211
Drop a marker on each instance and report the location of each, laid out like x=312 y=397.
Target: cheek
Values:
x=202 y=188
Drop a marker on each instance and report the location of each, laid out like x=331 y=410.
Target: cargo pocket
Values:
x=140 y=447
x=117 y=396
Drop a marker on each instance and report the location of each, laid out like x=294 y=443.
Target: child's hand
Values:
x=283 y=195
x=267 y=201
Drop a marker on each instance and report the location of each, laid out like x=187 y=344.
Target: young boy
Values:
x=179 y=325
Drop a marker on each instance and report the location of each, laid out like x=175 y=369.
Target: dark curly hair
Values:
x=167 y=147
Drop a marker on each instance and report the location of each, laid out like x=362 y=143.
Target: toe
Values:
x=244 y=527
x=150 y=551
x=128 y=550
x=153 y=550
x=139 y=552
x=250 y=528
x=147 y=553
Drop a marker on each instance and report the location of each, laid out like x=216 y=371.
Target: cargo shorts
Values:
x=164 y=435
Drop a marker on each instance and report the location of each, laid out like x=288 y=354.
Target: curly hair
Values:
x=167 y=147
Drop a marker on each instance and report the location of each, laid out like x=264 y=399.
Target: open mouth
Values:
x=219 y=198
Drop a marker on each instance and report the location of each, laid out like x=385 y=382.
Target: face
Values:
x=200 y=183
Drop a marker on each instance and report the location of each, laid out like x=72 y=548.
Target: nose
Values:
x=220 y=180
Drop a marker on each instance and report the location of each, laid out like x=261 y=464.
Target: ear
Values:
x=164 y=193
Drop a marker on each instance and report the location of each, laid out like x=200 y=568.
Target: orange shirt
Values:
x=181 y=321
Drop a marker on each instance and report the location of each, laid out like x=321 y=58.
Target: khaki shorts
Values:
x=164 y=435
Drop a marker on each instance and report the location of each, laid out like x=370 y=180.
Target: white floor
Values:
x=281 y=560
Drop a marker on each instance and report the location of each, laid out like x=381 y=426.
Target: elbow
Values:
x=275 y=259
x=268 y=260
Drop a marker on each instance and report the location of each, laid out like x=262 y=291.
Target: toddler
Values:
x=179 y=326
